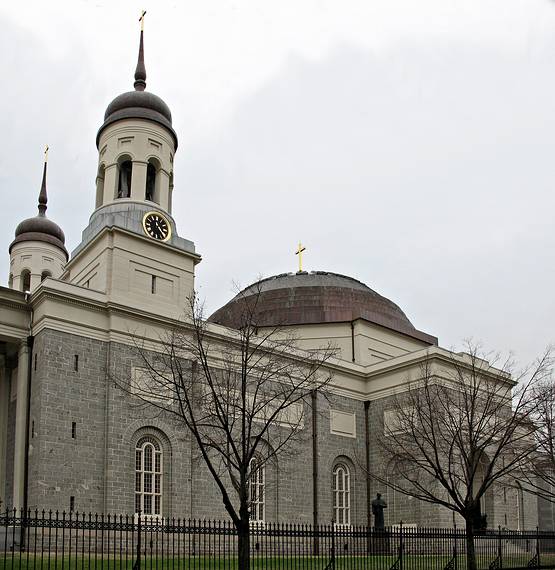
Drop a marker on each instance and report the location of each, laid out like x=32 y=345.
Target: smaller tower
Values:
x=38 y=250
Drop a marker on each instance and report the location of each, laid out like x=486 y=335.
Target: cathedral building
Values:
x=70 y=439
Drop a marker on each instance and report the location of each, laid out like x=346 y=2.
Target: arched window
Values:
x=519 y=507
x=10 y=281
x=124 y=179
x=148 y=477
x=25 y=280
x=257 y=490
x=150 y=182
x=44 y=275
x=341 y=494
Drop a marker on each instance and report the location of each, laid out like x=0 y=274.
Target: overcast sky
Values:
x=407 y=144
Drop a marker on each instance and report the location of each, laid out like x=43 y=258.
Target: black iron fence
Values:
x=53 y=540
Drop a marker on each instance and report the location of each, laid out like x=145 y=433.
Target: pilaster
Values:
x=4 y=402
x=21 y=424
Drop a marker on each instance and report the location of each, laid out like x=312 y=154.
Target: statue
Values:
x=378 y=505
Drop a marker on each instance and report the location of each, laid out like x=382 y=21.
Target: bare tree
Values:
x=540 y=477
x=459 y=429
x=242 y=395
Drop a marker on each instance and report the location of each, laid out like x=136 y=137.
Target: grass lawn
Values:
x=375 y=562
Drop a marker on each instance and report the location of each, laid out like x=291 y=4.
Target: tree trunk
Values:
x=470 y=549
x=243 y=545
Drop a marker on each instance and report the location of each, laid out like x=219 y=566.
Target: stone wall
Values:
x=87 y=423
x=93 y=460
x=68 y=386
x=501 y=503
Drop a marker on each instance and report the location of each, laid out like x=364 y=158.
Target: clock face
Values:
x=156 y=226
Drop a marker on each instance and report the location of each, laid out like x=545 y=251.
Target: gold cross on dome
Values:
x=299 y=252
x=142 y=20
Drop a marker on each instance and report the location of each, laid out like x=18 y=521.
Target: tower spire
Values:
x=43 y=198
x=140 y=70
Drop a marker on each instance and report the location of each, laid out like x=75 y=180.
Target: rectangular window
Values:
x=73 y=430
x=32 y=429
x=35 y=362
x=153 y=284
x=76 y=362
x=71 y=504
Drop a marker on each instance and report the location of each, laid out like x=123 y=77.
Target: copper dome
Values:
x=40 y=228
x=315 y=298
x=138 y=104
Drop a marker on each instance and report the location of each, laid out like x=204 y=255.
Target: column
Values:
x=163 y=189
x=35 y=281
x=138 y=180
x=4 y=403
x=110 y=183
x=20 y=424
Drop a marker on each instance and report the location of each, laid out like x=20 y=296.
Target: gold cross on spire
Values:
x=142 y=20
x=46 y=154
x=299 y=252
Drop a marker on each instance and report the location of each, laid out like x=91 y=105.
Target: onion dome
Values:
x=317 y=297
x=40 y=228
x=138 y=104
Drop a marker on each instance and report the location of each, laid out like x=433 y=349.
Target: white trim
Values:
x=149 y=472
x=257 y=492
x=341 y=495
x=343 y=423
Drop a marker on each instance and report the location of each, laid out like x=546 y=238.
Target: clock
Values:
x=157 y=226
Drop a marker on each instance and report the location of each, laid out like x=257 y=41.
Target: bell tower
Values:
x=136 y=146
x=131 y=250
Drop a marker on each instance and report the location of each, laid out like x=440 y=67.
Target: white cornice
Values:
x=365 y=379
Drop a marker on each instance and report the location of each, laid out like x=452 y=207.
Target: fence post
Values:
x=455 y=548
x=500 y=547
x=538 y=546
x=401 y=545
x=137 y=564
x=332 y=561
x=316 y=540
x=23 y=529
